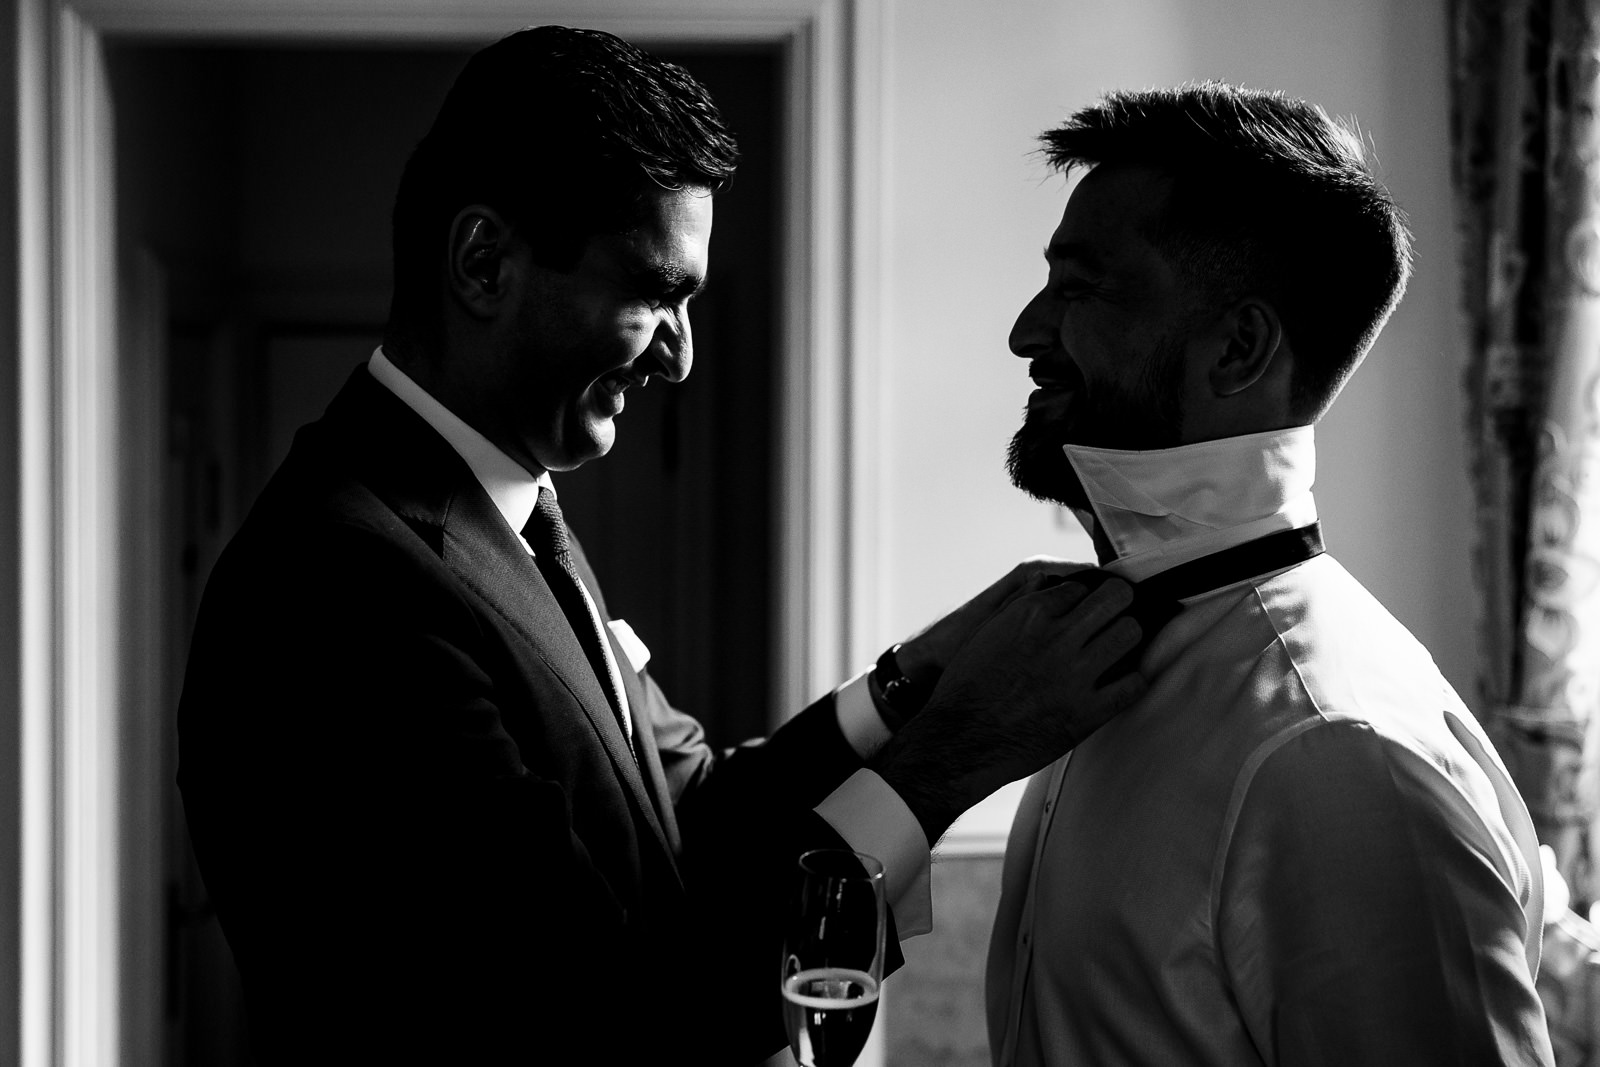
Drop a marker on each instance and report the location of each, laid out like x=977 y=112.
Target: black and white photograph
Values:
x=800 y=533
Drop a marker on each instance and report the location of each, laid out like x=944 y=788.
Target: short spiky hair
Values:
x=1270 y=197
x=563 y=131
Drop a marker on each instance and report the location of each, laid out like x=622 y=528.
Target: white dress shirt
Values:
x=864 y=810
x=1298 y=848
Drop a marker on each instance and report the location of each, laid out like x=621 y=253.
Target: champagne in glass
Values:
x=833 y=957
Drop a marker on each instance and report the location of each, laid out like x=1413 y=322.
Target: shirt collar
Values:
x=1159 y=508
x=509 y=484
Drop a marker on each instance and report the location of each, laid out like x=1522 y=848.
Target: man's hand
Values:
x=924 y=657
x=1026 y=687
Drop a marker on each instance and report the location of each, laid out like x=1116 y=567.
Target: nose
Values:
x=1034 y=331
x=674 y=348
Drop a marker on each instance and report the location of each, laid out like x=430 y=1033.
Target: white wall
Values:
x=970 y=84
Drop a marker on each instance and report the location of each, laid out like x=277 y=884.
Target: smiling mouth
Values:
x=1055 y=401
x=615 y=383
x=1058 y=377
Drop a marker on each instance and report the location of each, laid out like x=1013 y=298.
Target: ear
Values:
x=480 y=270
x=1252 y=338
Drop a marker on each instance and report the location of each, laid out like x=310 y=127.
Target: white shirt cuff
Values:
x=862 y=725
x=872 y=818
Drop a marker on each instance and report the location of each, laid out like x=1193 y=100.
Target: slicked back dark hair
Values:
x=563 y=131
x=1271 y=198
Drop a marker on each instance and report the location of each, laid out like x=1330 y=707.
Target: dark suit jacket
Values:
x=416 y=813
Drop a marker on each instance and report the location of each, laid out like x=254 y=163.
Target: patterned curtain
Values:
x=1527 y=173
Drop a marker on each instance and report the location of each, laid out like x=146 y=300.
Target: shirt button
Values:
x=1025 y=937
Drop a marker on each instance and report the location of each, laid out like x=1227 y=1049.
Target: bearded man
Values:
x=1299 y=847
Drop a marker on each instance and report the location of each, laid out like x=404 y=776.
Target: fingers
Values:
x=1091 y=628
x=1043 y=572
x=1094 y=600
x=1125 y=692
x=1025 y=575
x=1116 y=640
x=1109 y=701
x=1039 y=582
x=1056 y=596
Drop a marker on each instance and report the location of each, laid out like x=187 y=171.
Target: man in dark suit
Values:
x=444 y=812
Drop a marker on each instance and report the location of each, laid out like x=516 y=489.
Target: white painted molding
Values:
x=74 y=609
x=90 y=704
x=36 y=521
x=865 y=523
x=430 y=20
x=795 y=630
x=815 y=568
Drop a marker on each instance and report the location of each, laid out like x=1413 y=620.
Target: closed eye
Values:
x=685 y=291
x=1074 y=270
x=1071 y=289
x=663 y=287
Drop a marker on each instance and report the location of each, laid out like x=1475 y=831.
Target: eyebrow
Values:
x=669 y=280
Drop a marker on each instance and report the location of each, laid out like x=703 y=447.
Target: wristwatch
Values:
x=896 y=697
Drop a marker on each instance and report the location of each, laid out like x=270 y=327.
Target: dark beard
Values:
x=1147 y=416
x=1038 y=466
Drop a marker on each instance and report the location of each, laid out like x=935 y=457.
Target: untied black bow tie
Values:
x=1155 y=600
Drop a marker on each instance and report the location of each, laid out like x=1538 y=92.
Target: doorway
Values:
x=87 y=806
x=258 y=181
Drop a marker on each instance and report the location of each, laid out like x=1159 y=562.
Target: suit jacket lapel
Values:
x=644 y=738
x=644 y=741
x=421 y=477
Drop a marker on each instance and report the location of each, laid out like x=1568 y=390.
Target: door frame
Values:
x=86 y=924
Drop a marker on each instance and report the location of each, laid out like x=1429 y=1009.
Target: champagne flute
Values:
x=833 y=957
